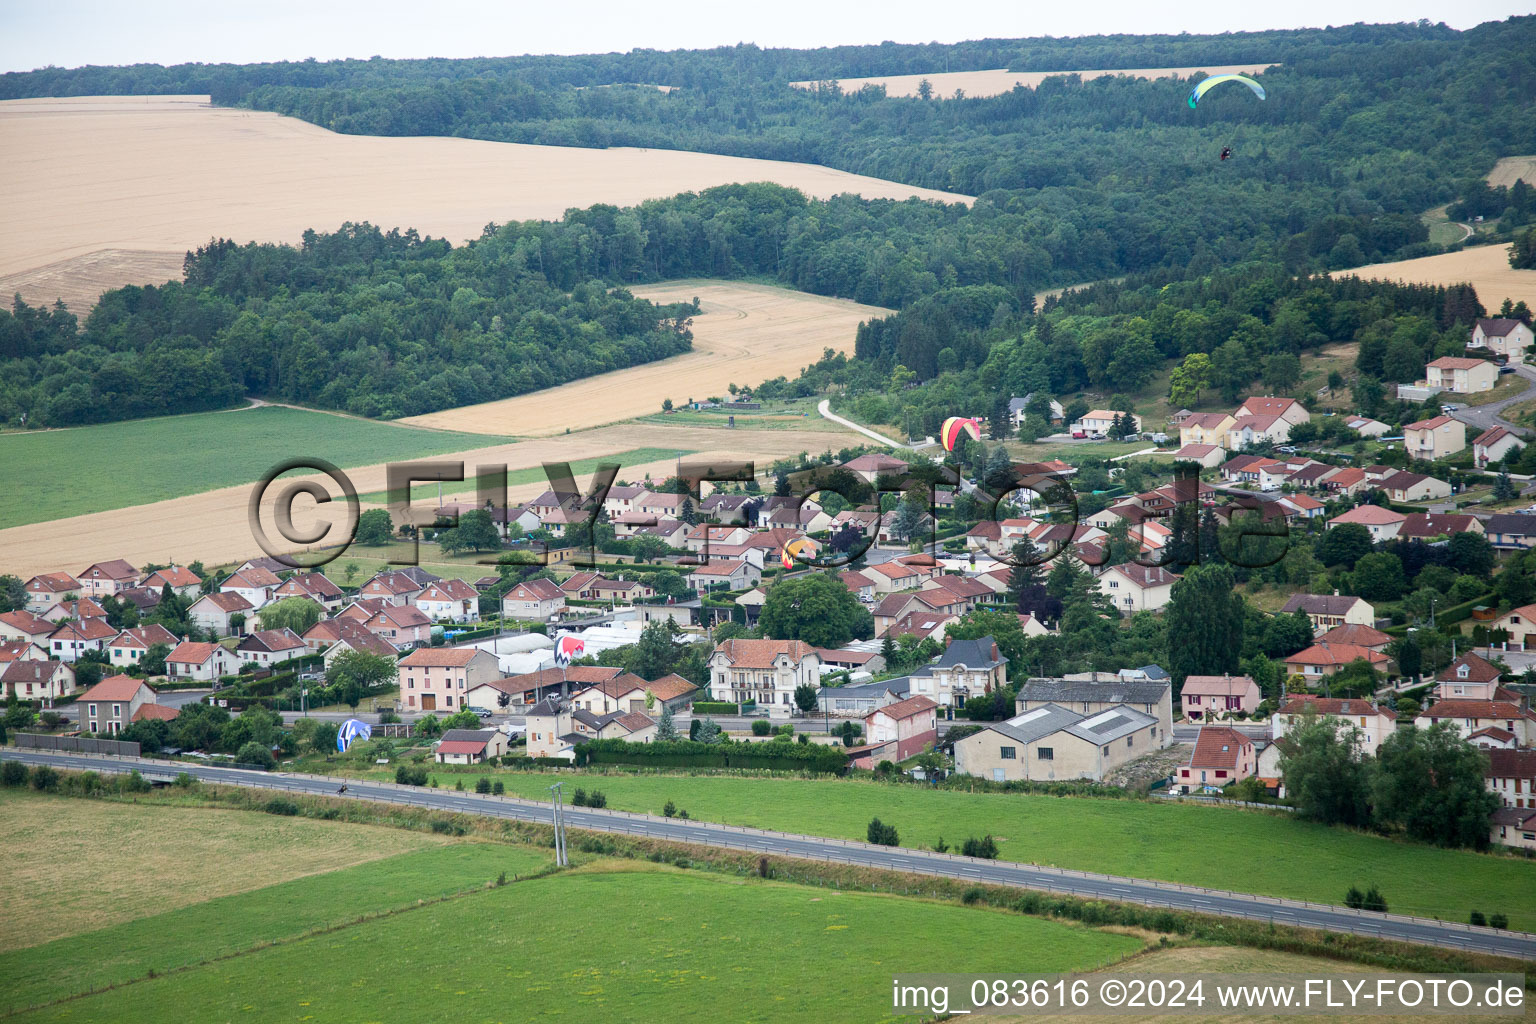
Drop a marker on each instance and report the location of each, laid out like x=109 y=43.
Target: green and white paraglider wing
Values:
x=1208 y=84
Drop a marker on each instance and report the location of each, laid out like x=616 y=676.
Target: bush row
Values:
x=725 y=754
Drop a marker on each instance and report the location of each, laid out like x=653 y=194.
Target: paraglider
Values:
x=1206 y=85
x=954 y=427
x=1226 y=152
x=798 y=546
x=351 y=730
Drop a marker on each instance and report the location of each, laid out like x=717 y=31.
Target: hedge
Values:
x=719 y=707
x=1452 y=615
x=812 y=757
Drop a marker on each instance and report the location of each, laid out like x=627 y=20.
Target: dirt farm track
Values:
x=105 y=191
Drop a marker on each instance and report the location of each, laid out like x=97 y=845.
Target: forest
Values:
x=369 y=322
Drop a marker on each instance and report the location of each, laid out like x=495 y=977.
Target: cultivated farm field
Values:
x=1222 y=848
x=116 y=465
x=158 y=858
x=1511 y=169
x=683 y=945
x=1486 y=267
x=746 y=334
x=106 y=191
x=1000 y=80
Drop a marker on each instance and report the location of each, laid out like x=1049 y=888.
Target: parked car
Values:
x=1286 y=448
x=1506 y=369
x=1159 y=438
x=484 y=712
x=1079 y=435
x=1448 y=409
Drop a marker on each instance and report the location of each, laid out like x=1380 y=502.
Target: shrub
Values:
x=941 y=846
x=498 y=788
x=44 y=778
x=1374 y=900
x=804 y=740
x=277 y=805
x=13 y=773
x=483 y=786
x=579 y=798
x=597 y=798
x=1354 y=899
x=387 y=717
x=1477 y=918
x=668 y=810
x=184 y=781
x=1499 y=921
x=985 y=848
x=972 y=895
x=885 y=768
x=760 y=727
x=257 y=755
x=785 y=730
x=458 y=785
x=881 y=834
x=136 y=783
x=411 y=775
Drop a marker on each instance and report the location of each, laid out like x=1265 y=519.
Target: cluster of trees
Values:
x=1512 y=206
x=206 y=727
x=373 y=323
x=1424 y=783
x=658 y=652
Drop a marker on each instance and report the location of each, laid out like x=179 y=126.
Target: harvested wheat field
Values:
x=213 y=526
x=1486 y=267
x=1001 y=80
x=1513 y=168
x=125 y=185
x=72 y=881
x=747 y=334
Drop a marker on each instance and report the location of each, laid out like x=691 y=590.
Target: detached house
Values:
x=130 y=646
x=540 y=600
x=23 y=625
x=966 y=669
x=36 y=679
x=256 y=585
x=1329 y=610
x=1322 y=659
x=110 y=706
x=1511 y=531
x=1470 y=677
x=271 y=647
x=1472 y=716
x=396 y=586
x=205 y=662
x=1495 y=445
x=1519 y=623
x=106 y=578
x=1206 y=428
x=765 y=671
x=1406 y=486
x=449 y=600
x=440 y=678
x=403 y=626
x=1373 y=723
x=48 y=589
x=77 y=636
x=182 y=581
x=1205 y=697
x=1439 y=437
x=733 y=575
x=217 y=612
x=1511 y=776
x=1222 y=756
x=911 y=724
x=315 y=586
x=1503 y=336
x=1134 y=588
x=1460 y=375
x=1429 y=526
x=469 y=746
x=1381 y=523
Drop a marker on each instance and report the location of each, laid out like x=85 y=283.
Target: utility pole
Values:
x=559 y=818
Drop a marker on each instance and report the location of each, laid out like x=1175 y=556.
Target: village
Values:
x=539 y=660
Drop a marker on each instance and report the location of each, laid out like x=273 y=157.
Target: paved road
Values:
x=1480 y=417
x=1107 y=887
x=825 y=408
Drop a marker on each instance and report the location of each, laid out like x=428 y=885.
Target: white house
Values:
x=271 y=647
x=201 y=661
x=1135 y=588
x=450 y=600
x=1460 y=375
x=129 y=646
x=540 y=600
x=1099 y=421
x=217 y=612
x=255 y=585
x=1501 y=336
x=1373 y=723
x=1495 y=445
x=765 y=671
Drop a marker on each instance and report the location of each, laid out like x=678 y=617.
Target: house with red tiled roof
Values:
x=1329 y=610
x=1469 y=716
x=535 y=686
x=911 y=724
x=469 y=746
x=218 y=611
x=1495 y=444
x=923 y=623
x=334 y=637
x=1261 y=429
x=1460 y=375
x=1380 y=522
x=1302 y=506
x=1205 y=428
x=765 y=671
x=109 y=706
x=539 y=600
x=256 y=585
x=24 y=625
x=1207 y=697
x=314 y=585
x=1438 y=437
x=872 y=466
x=155 y=711
x=1511 y=776
x=861 y=586
x=1360 y=636
x=73 y=638
x=35 y=679
x=48 y=589
x=726 y=575
x=106 y=578
x=1288 y=409
x=1135 y=588
x=965 y=589
x=1321 y=660
x=271 y=647
x=449 y=600
x=394 y=586
x=404 y=626
x=1429 y=526
x=80 y=608
x=1221 y=757
x=130 y=645
x=1469 y=677
x=1372 y=722
x=1406 y=486
x=201 y=661
x=440 y=678
x=179 y=578
x=21 y=650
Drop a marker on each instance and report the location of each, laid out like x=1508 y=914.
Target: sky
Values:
x=68 y=33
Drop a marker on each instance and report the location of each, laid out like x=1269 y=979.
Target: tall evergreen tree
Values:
x=1205 y=624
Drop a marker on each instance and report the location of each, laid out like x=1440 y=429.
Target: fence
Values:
x=79 y=744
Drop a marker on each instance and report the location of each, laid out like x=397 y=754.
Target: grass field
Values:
x=91 y=864
x=800 y=415
x=167 y=939
x=611 y=942
x=55 y=474
x=1506 y=386
x=1222 y=848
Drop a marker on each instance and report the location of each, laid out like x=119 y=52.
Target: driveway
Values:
x=1479 y=418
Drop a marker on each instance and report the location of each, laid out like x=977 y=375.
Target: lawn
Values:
x=1505 y=386
x=1245 y=851
x=165 y=940
x=801 y=415
x=117 y=465
x=78 y=865
x=616 y=943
